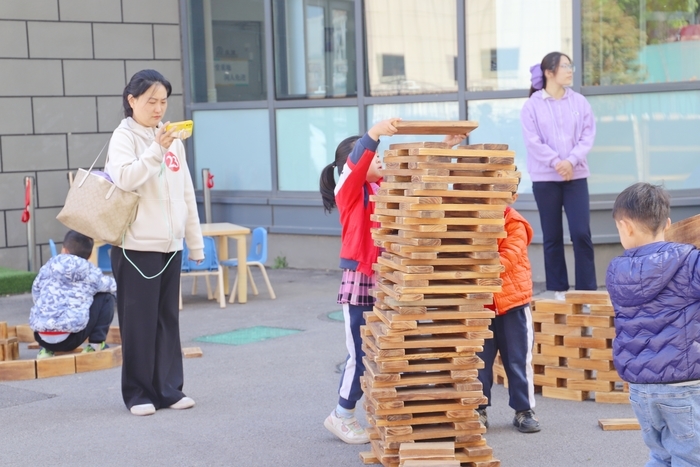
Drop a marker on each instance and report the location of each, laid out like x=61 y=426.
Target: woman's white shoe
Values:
x=184 y=403
x=143 y=409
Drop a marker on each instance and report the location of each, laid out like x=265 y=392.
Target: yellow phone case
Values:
x=184 y=128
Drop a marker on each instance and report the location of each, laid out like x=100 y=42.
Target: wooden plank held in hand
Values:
x=416 y=127
x=685 y=231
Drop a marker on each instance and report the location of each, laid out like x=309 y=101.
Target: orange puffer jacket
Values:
x=517 y=277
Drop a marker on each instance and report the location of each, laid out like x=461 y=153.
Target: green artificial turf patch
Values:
x=14 y=282
x=247 y=335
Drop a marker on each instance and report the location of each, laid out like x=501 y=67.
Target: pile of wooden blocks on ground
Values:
x=441 y=213
x=573 y=358
x=65 y=363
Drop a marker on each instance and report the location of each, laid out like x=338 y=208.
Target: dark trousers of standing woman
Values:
x=148 y=311
x=350 y=390
x=573 y=197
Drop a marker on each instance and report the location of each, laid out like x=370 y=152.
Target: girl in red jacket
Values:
x=360 y=169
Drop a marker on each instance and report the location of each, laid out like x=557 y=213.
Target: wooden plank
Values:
x=618 y=424
x=612 y=397
x=430 y=462
x=368 y=458
x=192 y=352
x=114 y=336
x=17 y=370
x=685 y=231
x=588 y=320
x=3 y=330
x=418 y=127
x=431 y=450
x=55 y=366
x=102 y=360
x=588 y=297
x=564 y=394
x=24 y=333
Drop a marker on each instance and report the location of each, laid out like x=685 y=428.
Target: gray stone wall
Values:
x=63 y=67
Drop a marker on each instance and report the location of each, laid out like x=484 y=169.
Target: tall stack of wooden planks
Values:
x=573 y=357
x=441 y=213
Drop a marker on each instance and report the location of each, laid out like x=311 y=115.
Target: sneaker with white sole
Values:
x=347 y=429
x=526 y=422
x=143 y=409
x=184 y=403
x=560 y=295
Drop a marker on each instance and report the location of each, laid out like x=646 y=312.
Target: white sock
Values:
x=342 y=412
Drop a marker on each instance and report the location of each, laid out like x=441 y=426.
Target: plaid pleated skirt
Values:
x=354 y=288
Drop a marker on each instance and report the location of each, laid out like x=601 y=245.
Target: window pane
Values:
x=314 y=48
x=411 y=46
x=499 y=122
x=416 y=111
x=506 y=37
x=227 y=50
x=651 y=137
x=306 y=142
x=646 y=41
x=223 y=144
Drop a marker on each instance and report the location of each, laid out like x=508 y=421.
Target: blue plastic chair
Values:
x=104 y=261
x=52 y=247
x=209 y=267
x=257 y=256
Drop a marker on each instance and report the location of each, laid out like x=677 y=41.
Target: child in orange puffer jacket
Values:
x=513 y=333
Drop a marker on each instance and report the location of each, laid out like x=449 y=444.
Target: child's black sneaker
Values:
x=526 y=422
x=483 y=417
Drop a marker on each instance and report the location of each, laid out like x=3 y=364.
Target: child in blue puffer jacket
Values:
x=655 y=290
x=73 y=300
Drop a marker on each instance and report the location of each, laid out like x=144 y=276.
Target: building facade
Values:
x=274 y=85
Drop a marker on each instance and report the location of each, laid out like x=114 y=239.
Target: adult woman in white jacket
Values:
x=146 y=159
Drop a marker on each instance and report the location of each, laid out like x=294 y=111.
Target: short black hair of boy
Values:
x=78 y=244
x=645 y=204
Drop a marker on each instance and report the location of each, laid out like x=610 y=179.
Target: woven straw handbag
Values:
x=96 y=207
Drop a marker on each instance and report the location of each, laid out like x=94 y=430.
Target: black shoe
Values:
x=526 y=422
x=483 y=417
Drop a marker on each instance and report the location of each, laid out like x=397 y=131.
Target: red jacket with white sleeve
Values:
x=357 y=251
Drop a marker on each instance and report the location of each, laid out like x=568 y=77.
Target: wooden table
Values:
x=223 y=231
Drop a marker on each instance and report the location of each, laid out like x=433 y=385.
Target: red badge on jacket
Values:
x=172 y=162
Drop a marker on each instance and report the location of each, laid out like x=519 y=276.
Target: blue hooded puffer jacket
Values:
x=655 y=290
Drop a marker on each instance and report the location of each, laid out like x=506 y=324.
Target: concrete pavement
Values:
x=260 y=404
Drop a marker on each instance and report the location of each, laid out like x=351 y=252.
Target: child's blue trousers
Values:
x=513 y=336
x=350 y=390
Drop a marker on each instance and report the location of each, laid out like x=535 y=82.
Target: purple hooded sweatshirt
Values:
x=556 y=130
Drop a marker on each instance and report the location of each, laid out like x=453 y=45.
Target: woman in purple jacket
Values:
x=559 y=130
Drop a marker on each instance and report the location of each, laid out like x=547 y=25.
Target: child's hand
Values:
x=383 y=128
x=454 y=139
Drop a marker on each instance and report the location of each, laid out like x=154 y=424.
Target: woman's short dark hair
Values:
x=78 y=244
x=645 y=204
x=140 y=83
x=549 y=62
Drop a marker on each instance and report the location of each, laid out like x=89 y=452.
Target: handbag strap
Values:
x=93 y=164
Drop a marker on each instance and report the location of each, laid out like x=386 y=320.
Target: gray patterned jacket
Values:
x=63 y=292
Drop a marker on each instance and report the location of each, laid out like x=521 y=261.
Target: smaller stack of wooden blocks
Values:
x=572 y=358
x=435 y=454
x=62 y=364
